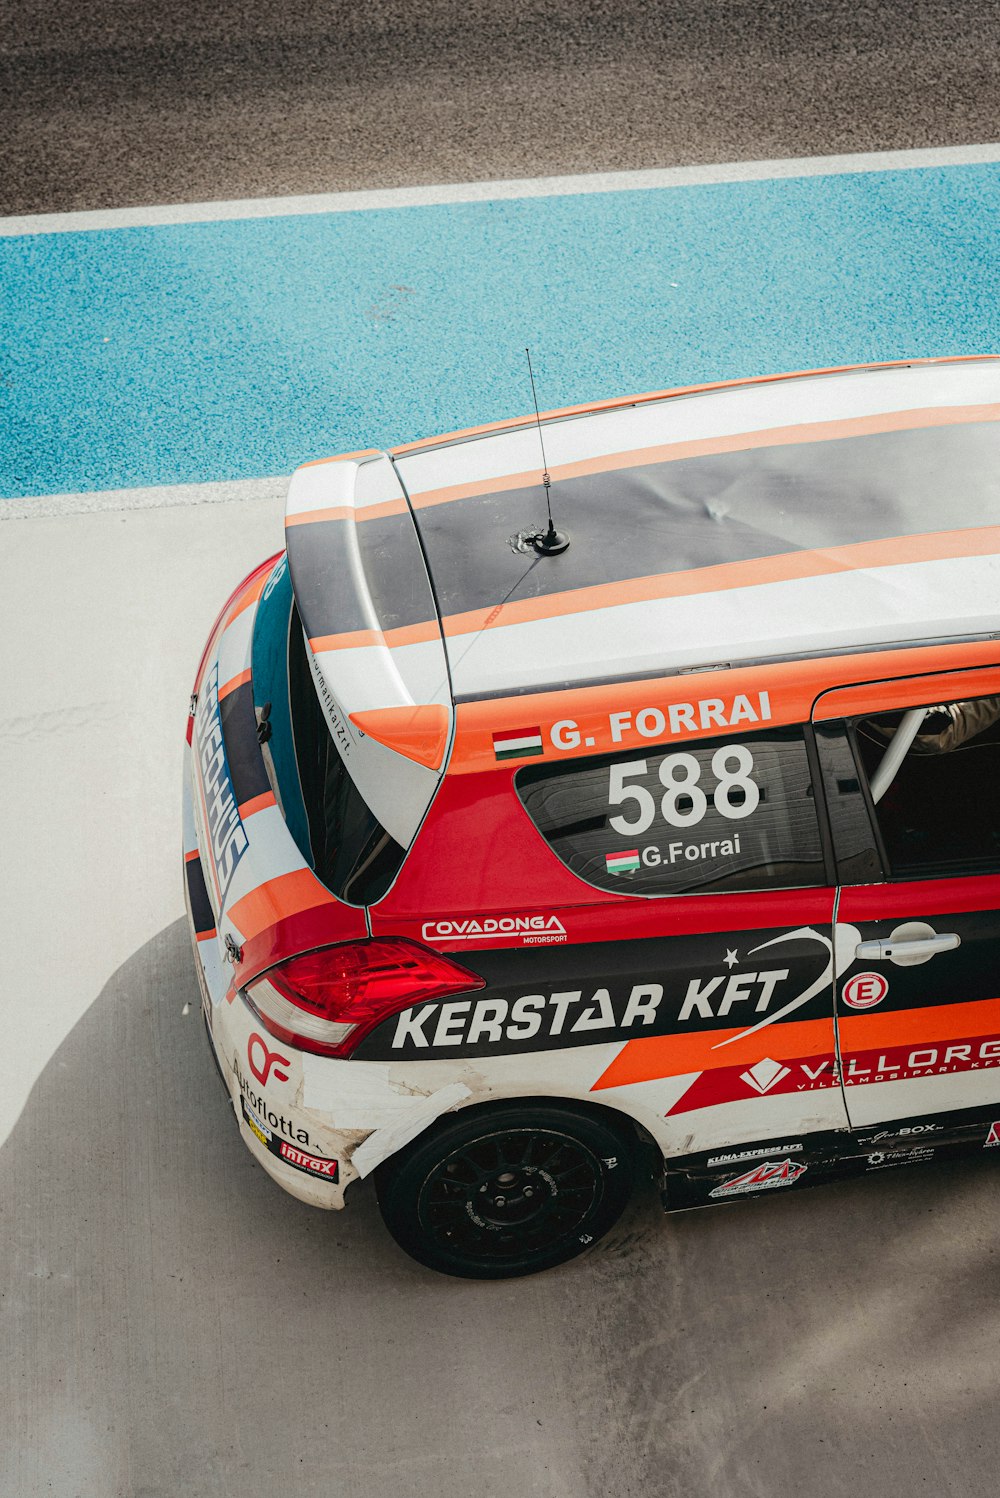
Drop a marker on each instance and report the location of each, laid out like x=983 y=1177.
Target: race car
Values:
x=612 y=786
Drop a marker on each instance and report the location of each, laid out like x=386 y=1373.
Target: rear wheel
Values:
x=507 y=1191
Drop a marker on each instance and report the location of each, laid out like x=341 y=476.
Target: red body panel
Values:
x=478 y=854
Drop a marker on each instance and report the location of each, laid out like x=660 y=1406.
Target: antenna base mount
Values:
x=551 y=543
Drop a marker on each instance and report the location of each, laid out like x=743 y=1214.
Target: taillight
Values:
x=328 y=1001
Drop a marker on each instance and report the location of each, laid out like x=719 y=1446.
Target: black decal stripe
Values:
x=705 y=511
x=619 y=967
x=323 y=566
x=829 y=1155
x=685 y=966
x=239 y=732
x=963 y=976
x=202 y=915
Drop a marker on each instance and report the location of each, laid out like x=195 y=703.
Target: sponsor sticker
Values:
x=262 y=1060
x=729 y=997
x=623 y=863
x=882 y=1160
x=765 y=1177
x=810 y=1073
x=993 y=1137
x=292 y=1154
x=671 y=720
x=518 y=743
x=655 y=856
x=903 y=1133
x=224 y=829
x=534 y=1019
x=311 y=1164
x=765 y=1075
x=737 y=1156
x=533 y=930
x=864 y=990
x=256 y=1124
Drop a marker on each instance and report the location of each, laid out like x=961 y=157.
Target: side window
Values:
x=711 y=816
x=933 y=775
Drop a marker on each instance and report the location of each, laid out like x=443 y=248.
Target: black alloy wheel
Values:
x=507 y=1191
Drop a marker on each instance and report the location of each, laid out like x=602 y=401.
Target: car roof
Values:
x=806 y=514
x=767 y=520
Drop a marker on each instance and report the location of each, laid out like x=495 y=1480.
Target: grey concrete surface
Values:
x=176 y=1325
x=110 y=104
x=105 y=616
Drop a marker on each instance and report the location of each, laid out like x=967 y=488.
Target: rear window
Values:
x=713 y=816
x=336 y=832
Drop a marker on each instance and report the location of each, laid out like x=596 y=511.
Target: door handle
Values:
x=912 y=950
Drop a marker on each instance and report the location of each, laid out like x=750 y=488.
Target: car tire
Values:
x=508 y=1190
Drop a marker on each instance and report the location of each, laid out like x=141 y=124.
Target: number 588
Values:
x=679 y=775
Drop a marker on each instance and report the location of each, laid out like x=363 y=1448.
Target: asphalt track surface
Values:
x=113 y=104
x=174 y=1324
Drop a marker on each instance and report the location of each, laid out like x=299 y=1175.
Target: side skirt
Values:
x=790 y=1162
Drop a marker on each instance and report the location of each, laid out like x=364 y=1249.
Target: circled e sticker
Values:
x=864 y=990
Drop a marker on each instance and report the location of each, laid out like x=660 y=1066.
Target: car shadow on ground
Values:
x=181 y=1325
x=176 y=1324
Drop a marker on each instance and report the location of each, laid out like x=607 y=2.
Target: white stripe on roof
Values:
x=718 y=413
x=813 y=615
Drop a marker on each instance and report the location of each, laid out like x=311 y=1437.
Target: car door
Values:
x=911 y=772
x=720 y=845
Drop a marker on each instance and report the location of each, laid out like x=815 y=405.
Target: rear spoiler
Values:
x=372 y=628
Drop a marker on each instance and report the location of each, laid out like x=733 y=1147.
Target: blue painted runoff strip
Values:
x=197 y=352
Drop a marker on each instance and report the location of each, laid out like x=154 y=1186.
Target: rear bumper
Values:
x=314 y=1123
x=298 y=1149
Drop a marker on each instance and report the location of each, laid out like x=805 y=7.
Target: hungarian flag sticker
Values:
x=517 y=743
x=623 y=863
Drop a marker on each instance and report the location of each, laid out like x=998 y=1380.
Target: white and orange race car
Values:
x=509 y=862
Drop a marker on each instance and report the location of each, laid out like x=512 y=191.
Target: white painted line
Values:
x=163 y=496
x=482 y=192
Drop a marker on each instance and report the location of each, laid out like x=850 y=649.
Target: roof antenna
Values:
x=552 y=542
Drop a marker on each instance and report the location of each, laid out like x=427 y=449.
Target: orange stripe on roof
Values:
x=675 y=452
x=791 y=566
x=312 y=517
x=679 y=390
x=190 y=857
x=276 y=900
x=379 y=511
x=205 y=935
x=256 y=803
x=352 y=639
x=413 y=634
x=365 y=452
x=233 y=683
x=406 y=634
